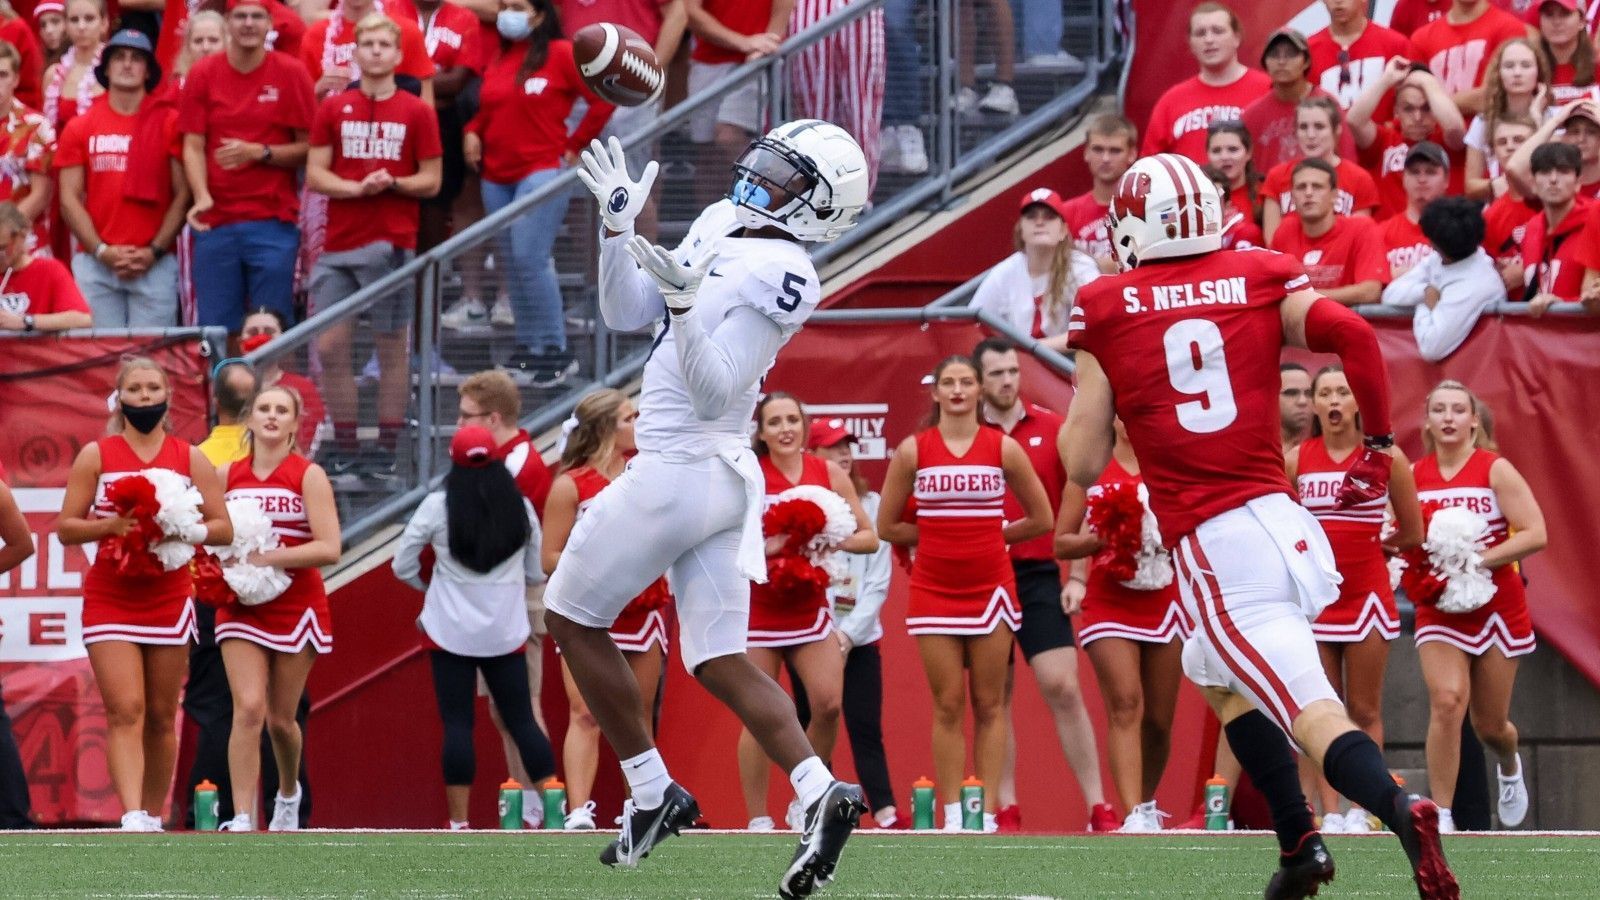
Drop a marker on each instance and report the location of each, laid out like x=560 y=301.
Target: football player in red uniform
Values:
x=1184 y=346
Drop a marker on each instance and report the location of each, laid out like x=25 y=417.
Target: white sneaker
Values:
x=1447 y=822
x=1513 y=796
x=285 y=813
x=1142 y=819
x=580 y=819
x=459 y=826
x=1059 y=61
x=966 y=101
x=913 y=153
x=952 y=817
x=990 y=824
x=1356 y=821
x=1332 y=823
x=153 y=823
x=761 y=823
x=137 y=820
x=1000 y=99
x=502 y=314
x=468 y=312
x=241 y=822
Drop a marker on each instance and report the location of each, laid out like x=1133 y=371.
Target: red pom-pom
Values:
x=133 y=497
x=1422 y=586
x=799 y=520
x=1117 y=516
x=794 y=580
x=210 y=587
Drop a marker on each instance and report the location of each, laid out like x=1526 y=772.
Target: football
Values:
x=618 y=64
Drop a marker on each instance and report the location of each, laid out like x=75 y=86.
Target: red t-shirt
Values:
x=99 y=141
x=1348 y=253
x=267 y=105
x=454 y=36
x=1356 y=188
x=1036 y=432
x=1211 y=322
x=1505 y=223
x=643 y=16
x=523 y=122
x=527 y=469
x=288 y=30
x=1409 y=15
x=1086 y=222
x=1385 y=160
x=395 y=134
x=43 y=286
x=1404 y=244
x=1563 y=91
x=742 y=16
x=1366 y=59
x=318 y=55
x=1179 y=120
x=30 y=87
x=1239 y=231
x=1554 y=260
x=1271 y=124
x=1459 y=54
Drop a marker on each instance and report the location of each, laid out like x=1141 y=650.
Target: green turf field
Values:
x=353 y=864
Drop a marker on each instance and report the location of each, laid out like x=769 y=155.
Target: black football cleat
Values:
x=643 y=829
x=829 y=822
x=1418 y=818
x=1303 y=872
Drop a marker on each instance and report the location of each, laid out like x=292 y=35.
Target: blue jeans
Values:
x=244 y=264
x=522 y=255
x=902 y=100
x=1038 y=26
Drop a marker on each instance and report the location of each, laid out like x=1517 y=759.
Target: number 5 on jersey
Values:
x=792 y=284
x=1198 y=367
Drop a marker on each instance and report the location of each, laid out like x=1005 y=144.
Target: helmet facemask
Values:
x=771 y=182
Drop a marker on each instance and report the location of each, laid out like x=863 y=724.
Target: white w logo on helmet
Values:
x=1164 y=206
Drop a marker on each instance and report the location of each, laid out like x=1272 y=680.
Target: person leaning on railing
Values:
x=1452 y=287
x=36 y=293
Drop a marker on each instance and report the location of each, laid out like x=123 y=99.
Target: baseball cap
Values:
x=1285 y=34
x=1428 y=151
x=828 y=433
x=472 y=446
x=235 y=4
x=1045 y=196
x=49 y=6
x=1537 y=9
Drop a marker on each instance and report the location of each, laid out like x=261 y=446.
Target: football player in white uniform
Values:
x=737 y=288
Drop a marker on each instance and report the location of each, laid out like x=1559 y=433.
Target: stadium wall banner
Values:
x=53 y=401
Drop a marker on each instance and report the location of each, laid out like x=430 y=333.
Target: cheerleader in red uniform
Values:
x=1470 y=659
x=783 y=631
x=963 y=606
x=268 y=649
x=1353 y=634
x=136 y=628
x=1135 y=640
x=596 y=452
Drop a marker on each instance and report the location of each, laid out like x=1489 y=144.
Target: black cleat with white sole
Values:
x=829 y=822
x=643 y=829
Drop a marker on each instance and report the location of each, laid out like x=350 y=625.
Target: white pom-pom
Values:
x=1455 y=537
x=840 y=524
x=255 y=585
x=173 y=554
x=1154 y=570
x=180 y=502
x=1397 y=568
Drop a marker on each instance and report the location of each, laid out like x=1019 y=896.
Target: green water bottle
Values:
x=972 y=804
x=510 y=805
x=555 y=804
x=922 y=804
x=205 y=806
x=1216 y=803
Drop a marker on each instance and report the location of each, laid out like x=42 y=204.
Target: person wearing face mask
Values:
x=136 y=627
x=519 y=142
x=36 y=293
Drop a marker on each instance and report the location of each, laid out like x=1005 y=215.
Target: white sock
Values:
x=990 y=826
x=952 y=815
x=647 y=778
x=810 y=779
x=458 y=826
x=295 y=798
x=532 y=804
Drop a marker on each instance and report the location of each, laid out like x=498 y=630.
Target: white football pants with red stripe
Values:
x=1252 y=580
x=840 y=78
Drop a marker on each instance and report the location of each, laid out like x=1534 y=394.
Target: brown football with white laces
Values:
x=617 y=64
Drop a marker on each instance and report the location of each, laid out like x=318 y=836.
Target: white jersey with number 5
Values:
x=1190 y=347
x=773 y=277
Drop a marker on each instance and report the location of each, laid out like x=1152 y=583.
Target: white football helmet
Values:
x=1164 y=206
x=807 y=177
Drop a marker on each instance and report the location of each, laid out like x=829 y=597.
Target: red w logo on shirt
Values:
x=1132 y=192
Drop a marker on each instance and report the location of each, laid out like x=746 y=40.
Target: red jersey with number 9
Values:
x=1190 y=347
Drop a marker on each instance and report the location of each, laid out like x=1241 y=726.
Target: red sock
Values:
x=389 y=435
x=344 y=438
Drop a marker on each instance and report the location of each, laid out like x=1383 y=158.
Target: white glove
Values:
x=194 y=534
x=678 y=281
x=605 y=173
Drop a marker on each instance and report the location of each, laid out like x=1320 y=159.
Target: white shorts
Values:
x=1250 y=579
x=684 y=519
x=740 y=107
